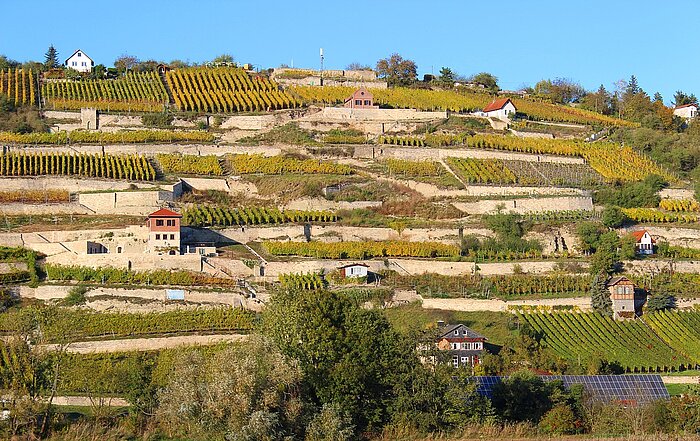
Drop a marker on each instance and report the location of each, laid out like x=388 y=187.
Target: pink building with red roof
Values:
x=164 y=231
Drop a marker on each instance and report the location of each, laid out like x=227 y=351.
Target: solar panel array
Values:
x=632 y=389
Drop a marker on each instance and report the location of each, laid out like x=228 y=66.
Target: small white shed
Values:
x=354 y=270
x=501 y=109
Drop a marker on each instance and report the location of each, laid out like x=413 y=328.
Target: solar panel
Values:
x=632 y=389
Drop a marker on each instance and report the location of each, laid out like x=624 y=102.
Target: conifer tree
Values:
x=51 y=58
x=600 y=296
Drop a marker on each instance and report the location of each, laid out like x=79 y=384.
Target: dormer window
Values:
x=456 y=332
x=464 y=331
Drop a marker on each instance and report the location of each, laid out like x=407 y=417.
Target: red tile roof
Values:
x=686 y=105
x=639 y=234
x=497 y=104
x=164 y=212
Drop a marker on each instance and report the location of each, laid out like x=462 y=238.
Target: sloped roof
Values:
x=364 y=91
x=86 y=55
x=639 y=234
x=353 y=264
x=497 y=104
x=449 y=329
x=615 y=280
x=686 y=105
x=164 y=212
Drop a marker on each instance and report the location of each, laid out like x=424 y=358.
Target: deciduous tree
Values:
x=397 y=71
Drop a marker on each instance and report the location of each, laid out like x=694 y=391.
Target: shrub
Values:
x=157 y=120
x=76 y=296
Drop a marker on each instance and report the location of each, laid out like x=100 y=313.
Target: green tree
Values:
x=125 y=63
x=51 y=58
x=223 y=59
x=613 y=217
x=522 y=396
x=348 y=354
x=489 y=81
x=329 y=425
x=447 y=77
x=589 y=234
x=680 y=98
x=397 y=71
x=600 y=296
x=559 y=420
x=660 y=302
x=606 y=256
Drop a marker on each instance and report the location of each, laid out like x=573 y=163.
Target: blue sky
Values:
x=520 y=42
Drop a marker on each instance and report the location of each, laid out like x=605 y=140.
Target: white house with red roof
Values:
x=502 y=109
x=686 y=111
x=644 y=243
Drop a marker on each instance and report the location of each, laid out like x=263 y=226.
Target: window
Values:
x=80 y=54
x=454 y=346
x=159 y=222
x=368 y=103
x=465 y=360
x=172 y=237
x=464 y=331
x=157 y=236
x=171 y=222
x=466 y=345
x=456 y=332
x=358 y=102
x=455 y=360
x=83 y=64
x=74 y=63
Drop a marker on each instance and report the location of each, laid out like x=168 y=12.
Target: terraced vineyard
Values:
x=550 y=173
x=361 y=250
x=133 y=167
x=136 y=91
x=275 y=165
x=527 y=285
x=120 y=137
x=680 y=329
x=205 y=215
x=680 y=205
x=190 y=164
x=586 y=336
x=19 y=85
x=402 y=97
x=658 y=216
x=482 y=171
x=308 y=281
x=406 y=168
x=225 y=89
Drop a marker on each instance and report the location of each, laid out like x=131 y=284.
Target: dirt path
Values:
x=680 y=379
x=147 y=344
x=90 y=401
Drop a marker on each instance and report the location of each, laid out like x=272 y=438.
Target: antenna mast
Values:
x=321 y=54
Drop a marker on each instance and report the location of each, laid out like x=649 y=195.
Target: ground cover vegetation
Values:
x=220 y=216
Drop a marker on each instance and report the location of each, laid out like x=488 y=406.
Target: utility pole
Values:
x=321 y=54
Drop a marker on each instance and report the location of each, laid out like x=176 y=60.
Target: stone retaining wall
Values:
x=526 y=205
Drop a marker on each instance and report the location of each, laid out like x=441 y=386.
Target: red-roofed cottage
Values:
x=644 y=243
x=360 y=99
x=501 y=109
x=164 y=231
x=686 y=111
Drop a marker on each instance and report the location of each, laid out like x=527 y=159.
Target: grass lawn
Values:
x=678 y=389
x=496 y=326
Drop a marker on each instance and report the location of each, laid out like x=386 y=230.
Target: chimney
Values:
x=440 y=323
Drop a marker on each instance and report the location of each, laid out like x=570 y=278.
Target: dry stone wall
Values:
x=526 y=205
